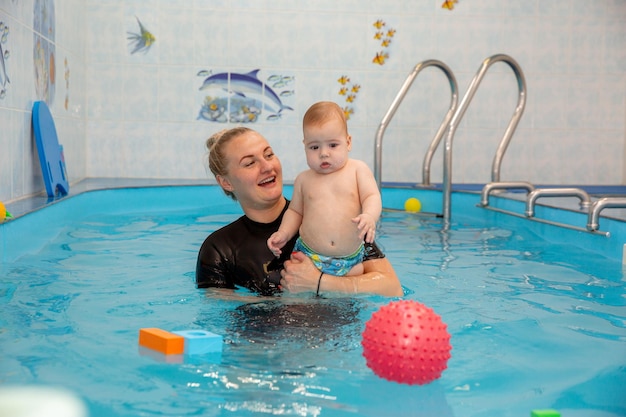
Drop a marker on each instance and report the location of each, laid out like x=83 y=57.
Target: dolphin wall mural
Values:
x=243 y=97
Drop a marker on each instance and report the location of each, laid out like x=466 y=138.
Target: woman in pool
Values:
x=246 y=168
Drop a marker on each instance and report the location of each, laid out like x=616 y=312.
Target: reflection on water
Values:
x=303 y=357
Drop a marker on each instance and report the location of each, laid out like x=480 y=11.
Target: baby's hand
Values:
x=366 y=226
x=276 y=242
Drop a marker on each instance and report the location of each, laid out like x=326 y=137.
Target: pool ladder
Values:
x=378 y=154
x=533 y=194
x=451 y=122
x=448 y=128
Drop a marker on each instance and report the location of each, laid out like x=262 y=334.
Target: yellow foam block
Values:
x=161 y=341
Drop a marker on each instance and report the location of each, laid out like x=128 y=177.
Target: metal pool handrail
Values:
x=458 y=115
x=598 y=206
x=396 y=103
x=533 y=196
x=535 y=193
x=488 y=188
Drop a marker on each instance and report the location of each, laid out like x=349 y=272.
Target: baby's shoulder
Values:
x=356 y=162
x=303 y=175
x=303 y=179
x=357 y=165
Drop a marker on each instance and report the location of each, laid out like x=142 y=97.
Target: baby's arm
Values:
x=290 y=224
x=371 y=203
x=288 y=228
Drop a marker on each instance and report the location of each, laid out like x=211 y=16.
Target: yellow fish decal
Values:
x=380 y=58
x=448 y=4
x=343 y=80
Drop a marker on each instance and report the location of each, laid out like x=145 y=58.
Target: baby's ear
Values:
x=349 y=140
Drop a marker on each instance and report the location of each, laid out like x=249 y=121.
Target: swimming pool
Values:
x=536 y=313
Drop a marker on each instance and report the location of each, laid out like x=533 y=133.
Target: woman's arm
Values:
x=379 y=277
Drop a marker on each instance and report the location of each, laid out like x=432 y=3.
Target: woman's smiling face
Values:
x=255 y=174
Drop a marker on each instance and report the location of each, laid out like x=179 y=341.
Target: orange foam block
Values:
x=161 y=341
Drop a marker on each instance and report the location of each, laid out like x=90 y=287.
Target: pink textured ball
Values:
x=406 y=342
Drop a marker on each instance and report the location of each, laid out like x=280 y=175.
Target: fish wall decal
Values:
x=142 y=41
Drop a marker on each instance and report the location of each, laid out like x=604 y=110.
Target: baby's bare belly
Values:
x=331 y=238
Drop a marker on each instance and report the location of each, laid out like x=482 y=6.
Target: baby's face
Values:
x=327 y=146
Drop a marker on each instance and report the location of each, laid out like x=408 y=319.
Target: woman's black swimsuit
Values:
x=237 y=256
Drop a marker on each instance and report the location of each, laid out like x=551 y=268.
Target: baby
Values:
x=336 y=203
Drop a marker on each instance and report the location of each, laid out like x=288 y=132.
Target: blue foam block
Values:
x=200 y=341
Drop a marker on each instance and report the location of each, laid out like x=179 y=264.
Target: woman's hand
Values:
x=379 y=277
x=299 y=274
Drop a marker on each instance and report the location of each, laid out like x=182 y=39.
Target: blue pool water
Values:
x=536 y=314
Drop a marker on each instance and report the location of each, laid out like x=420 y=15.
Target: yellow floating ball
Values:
x=4 y=214
x=412 y=205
